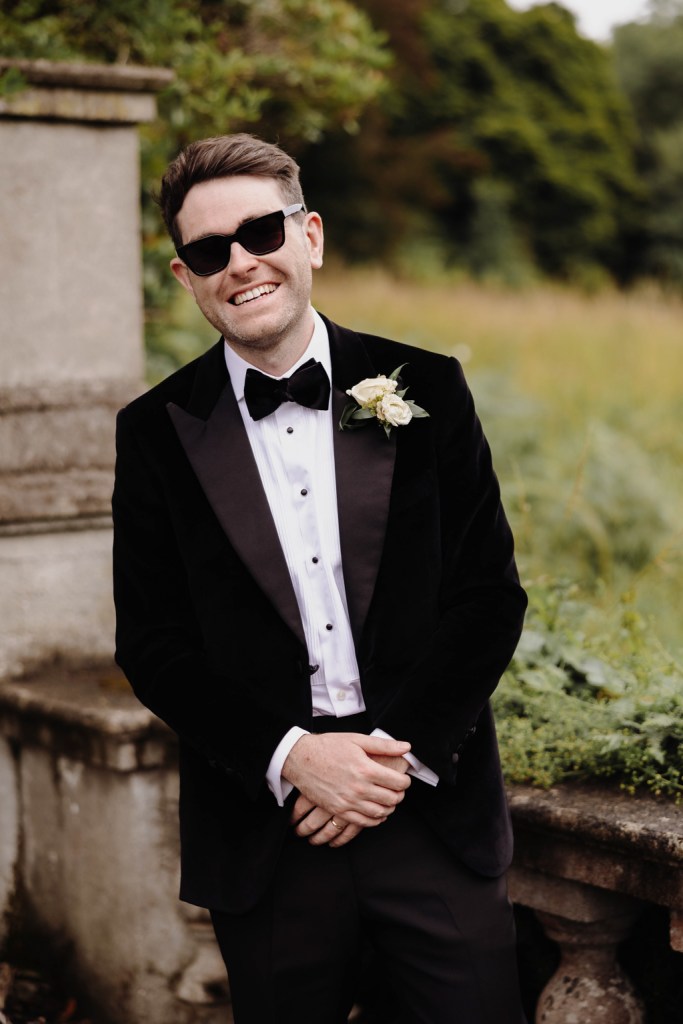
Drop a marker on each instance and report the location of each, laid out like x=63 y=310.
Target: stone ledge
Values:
x=602 y=814
x=111 y=94
x=81 y=75
x=599 y=837
x=89 y=712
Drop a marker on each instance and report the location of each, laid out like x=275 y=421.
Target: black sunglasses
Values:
x=259 y=237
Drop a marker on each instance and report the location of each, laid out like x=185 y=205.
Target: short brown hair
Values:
x=223 y=157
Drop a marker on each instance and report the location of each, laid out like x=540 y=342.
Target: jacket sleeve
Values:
x=481 y=603
x=159 y=643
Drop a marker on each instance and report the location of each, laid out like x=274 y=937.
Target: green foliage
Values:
x=585 y=699
x=295 y=67
x=504 y=137
x=649 y=61
x=593 y=505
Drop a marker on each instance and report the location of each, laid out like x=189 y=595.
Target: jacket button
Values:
x=455 y=758
x=312 y=669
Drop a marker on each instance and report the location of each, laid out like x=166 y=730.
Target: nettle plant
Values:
x=588 y=697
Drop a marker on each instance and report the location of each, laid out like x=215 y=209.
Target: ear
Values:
x=182 y=274
x=313 y=229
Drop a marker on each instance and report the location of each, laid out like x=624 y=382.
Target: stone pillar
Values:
x=70 y=347
x=587 y=923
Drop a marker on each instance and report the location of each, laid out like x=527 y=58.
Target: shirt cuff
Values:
x=278 y=786
x=417 y=769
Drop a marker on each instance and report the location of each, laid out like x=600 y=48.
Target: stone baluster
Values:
x=589 y=984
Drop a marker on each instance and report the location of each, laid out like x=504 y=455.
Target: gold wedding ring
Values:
x=335 y=825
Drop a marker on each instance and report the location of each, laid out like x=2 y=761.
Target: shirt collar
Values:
x=318 y=348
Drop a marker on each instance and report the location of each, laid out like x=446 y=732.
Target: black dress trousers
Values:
x=443 y=935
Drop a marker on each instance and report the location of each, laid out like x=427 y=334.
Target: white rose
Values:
x=372 y=388
x=394 y=410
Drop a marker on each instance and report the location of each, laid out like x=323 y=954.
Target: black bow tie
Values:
x=309 y=386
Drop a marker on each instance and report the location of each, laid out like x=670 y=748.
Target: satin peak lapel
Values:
x=220 y=454
x=364 y=463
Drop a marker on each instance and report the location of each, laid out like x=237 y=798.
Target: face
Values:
x=261 y=304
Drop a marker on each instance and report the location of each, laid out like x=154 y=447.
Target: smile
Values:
x=253 y=293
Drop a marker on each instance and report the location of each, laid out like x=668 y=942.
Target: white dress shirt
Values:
x=294 y=452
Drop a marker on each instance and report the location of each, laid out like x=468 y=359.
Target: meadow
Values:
x=581 y=398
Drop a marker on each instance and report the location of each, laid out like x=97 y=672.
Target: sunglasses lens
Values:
x=207 y=255
x=211 y=254
x=264 y=235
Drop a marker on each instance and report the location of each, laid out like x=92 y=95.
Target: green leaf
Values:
x=349 y=409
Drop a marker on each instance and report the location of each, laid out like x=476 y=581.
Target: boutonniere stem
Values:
x=379 y=398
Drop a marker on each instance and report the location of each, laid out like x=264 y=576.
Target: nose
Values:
x=241 y=260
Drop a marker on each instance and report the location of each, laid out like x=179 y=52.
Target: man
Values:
x=321 y=615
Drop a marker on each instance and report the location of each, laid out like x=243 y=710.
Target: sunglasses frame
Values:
x=182 y=250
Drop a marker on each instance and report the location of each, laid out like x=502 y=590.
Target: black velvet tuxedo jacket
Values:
x=208 y=627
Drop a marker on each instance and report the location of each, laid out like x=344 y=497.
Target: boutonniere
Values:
x=379 y=398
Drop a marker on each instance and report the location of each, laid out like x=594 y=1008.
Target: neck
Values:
x=282 y=354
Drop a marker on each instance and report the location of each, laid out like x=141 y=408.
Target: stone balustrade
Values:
x=588 y=859
x=88 y=863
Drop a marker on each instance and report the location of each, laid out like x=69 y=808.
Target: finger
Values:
x=374 y=802
x=397 y=764
x=331 y=830
x=342 y=838
x=301 y=808
x=362 y=820
x=377 y=774
x=370 y=814
x=313 y=822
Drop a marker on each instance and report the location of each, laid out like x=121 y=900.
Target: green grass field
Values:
x=582 y=399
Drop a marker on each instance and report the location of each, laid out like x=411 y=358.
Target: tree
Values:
x=493 y=113
x=649 y=61
x=295 y=67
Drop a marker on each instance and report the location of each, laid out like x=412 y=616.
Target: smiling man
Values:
x=321 y=614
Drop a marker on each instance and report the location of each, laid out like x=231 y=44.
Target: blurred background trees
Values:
x=503 y=145
x=433 y=134
x=649 y=64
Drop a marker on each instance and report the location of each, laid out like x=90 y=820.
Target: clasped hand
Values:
x=344 y=779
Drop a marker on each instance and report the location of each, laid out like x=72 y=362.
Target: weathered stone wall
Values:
x=89 y=851
x=70 y=347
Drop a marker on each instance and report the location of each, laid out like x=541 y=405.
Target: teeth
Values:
x=254 y=293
